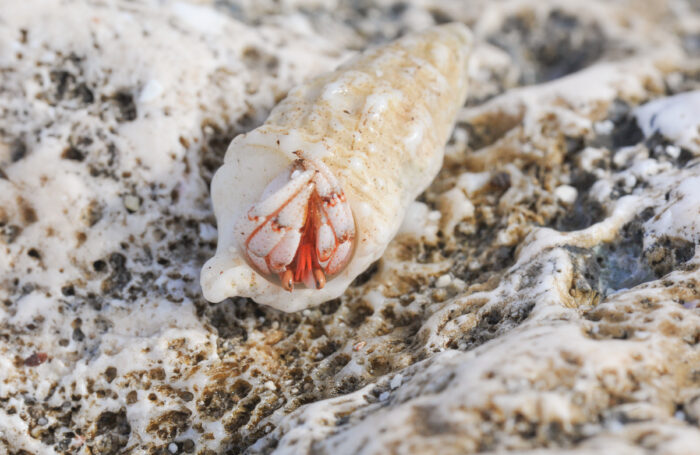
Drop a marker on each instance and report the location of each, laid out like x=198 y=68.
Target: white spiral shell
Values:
x=379 y=123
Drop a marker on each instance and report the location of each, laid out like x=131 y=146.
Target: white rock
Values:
x=566 y=194
x=132 y=202
x=443 y=281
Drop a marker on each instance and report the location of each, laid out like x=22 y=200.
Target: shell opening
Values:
x=302 y=231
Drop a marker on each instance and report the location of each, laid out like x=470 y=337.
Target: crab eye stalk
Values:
x=302 y=230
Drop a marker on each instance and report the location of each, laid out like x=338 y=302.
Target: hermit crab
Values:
x=302 y=229
x=308 y=200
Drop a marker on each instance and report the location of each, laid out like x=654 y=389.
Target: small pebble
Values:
x=566 y=194
x=384 y=396
x=151 y=91
x=396 y=381
x=443 y=281
x=269 y=385
x=673 y=151
x=132 y=203
x=172 y=447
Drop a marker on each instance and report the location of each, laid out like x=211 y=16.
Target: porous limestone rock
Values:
x=509 y=315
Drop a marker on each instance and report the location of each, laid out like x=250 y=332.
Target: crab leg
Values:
x=283 y=253
x=276 y=224
x=340 y=258
x=326 y=241
x=278 y=199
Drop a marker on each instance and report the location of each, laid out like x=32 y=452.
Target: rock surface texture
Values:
x=543 y=295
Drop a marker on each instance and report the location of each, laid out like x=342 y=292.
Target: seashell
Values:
x=307 y=201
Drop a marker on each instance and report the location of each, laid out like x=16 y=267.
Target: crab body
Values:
x=302 y=229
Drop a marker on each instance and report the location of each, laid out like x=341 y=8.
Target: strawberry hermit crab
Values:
x=308 y=200
x=302 y=229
